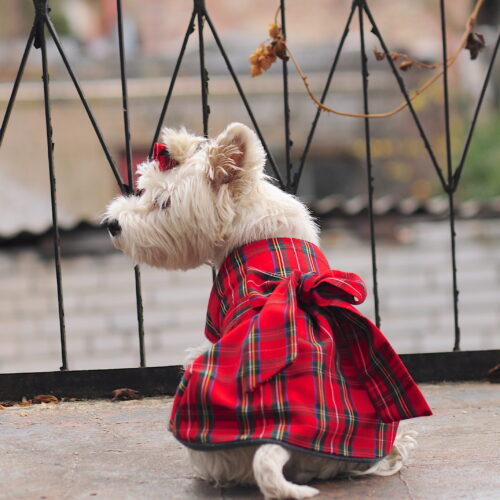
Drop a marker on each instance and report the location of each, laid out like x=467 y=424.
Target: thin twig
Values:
x=451 y=60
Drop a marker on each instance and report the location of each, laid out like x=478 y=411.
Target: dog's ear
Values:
x=181 y=144
x=235 y=154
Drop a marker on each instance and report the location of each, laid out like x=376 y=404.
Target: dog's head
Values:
x=185 y=207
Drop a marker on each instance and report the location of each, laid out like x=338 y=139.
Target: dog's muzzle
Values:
x=114 y=227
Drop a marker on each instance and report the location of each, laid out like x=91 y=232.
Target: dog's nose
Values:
x=114 y=227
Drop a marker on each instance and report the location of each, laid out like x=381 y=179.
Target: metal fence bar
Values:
x=369 y=166
x=314 y=124
x=53 y=33
x=270 y=158
x=17 y=81
x=40 y=21
x=458 y=171
x=449 y=169
x=128 y=149
x=199 y=6
x=286 y=106
x=402 y=87
x=178 y=63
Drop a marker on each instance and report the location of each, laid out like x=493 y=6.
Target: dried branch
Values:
x=267 y=53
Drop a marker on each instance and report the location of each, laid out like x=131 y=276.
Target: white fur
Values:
x=267 y=466
x=217 y=199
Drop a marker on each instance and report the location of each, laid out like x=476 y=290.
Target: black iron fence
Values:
x=424 y=366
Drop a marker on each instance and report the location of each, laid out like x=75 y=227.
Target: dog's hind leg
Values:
x=268 y=463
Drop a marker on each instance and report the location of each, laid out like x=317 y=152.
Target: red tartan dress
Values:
x=293 y=361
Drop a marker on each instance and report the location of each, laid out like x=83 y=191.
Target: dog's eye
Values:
x=163 y=205
x=139 y=192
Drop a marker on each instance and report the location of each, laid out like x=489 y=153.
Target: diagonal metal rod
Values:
x=17 y=81
x=458 y=172
x=270 y=158
x=369 y=166
x=55 y=223
x=128 y=148
x=310 y=137
x=286 y=106
x=450 y=191
x=189 y=30
x=79 y=90
x=402 y=87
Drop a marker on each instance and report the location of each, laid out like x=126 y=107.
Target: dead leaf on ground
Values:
x=125 y=393
x=7 y=404
x=23 y=414
x=493 y=375
x=45 y=398
x=2 y=407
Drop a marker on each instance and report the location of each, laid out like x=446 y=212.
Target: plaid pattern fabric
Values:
x=293 y=361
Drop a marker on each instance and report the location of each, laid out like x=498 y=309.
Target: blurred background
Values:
x=411 y=210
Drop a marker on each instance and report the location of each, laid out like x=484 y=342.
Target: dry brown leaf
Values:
x=23 y=414
x=125 y=393
x=262 y=59
x=493 y=374
x=8 y=403
x=45 y=398
x=280 y=50
x=274 y=30
x=266 y=54
x=2 y=407
x=475 y=43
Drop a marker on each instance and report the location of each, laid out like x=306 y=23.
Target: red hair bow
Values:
x=162 y=156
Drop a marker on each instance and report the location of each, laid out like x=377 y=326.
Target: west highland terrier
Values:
x=295 y=384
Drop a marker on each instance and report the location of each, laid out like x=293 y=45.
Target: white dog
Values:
x=276 y=394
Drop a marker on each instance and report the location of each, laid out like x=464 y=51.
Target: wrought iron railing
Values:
x=428 y=366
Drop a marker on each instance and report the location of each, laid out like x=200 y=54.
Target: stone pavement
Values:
x=122 y=451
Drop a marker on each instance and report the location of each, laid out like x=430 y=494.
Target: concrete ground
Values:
x=122 y=451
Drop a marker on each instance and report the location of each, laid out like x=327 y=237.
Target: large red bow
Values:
x=279 y=325
x=162 y=156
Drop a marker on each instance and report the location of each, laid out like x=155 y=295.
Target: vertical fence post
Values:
x=130 y=174
x=286 y=106
x=369 y=166
x=199 y=6
x=41 y=13
x=450 y=189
